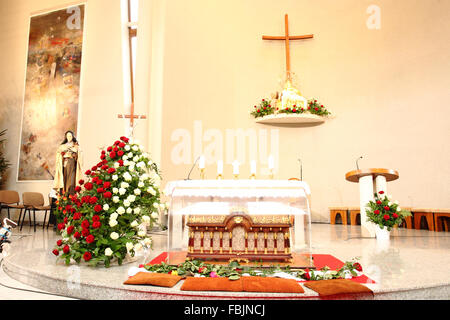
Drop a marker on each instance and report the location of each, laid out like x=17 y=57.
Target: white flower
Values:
x=155 y=215
x=137 y=192
x=121 y=210
x=115 y=199
x=156 y=205
x=126 y=203
x=135 y=148
x=115 y=177
x=398 y=209
x=147 y=241
x=115 y=190
x=137 y=210
x=108 y=252
x=145 y=155
x=127 y=147
x=146 y=219
x=138 y=247
x=130 y=154
x=141 y=164
x=114 y=216
x=106 y=207
x=126 y=162
x=131 y=198
x=141 y=184
x=134 y=224
x=389 y=203
x=122 y=191
x=162 y=206
x=131 y=168
x=136 y=158
x=112 y=223
x=124 y=185
x=124 y=158
x=151 y=191
x=129 y=246
x=129 y=210
x=114 y=235
x=127 y=176
x=396 y=202
x=144 y=177
x=116 y=165
x=141 y=233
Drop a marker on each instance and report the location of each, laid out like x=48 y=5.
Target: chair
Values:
x=440 y=216
x=354 y=213
x=335 y=211
x=426 y=214
x=33 y=201
x=9 y=199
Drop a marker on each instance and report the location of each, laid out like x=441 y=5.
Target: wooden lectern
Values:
x=370 y=181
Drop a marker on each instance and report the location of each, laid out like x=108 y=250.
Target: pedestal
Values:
x=370 y=181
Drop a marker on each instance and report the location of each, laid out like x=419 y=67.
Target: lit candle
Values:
x=220 y=167
x=201 y=162
x=253 y=167
x=271 y=162
x=235 y=167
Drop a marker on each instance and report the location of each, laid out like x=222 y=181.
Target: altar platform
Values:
x=415 y=266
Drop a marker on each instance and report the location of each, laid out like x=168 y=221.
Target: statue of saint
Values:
x=68 y=165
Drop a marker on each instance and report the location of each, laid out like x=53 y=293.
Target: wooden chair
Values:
x=408 y=221
x=33 y=201
x=427 y=214
x=354 y=213
x=335 y=211
x=439 y=215
x=9 y=199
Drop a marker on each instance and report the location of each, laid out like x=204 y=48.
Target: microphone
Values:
x=301 y=169
x=357 y=167
x=192 y=168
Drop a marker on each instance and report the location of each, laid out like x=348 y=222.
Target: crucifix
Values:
x=286 y=38
x=131 y=116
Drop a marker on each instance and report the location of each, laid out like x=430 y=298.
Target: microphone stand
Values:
x=357 y=167
x=188 y=177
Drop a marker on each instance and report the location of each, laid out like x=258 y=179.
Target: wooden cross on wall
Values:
x=286 y=38
x=131 y=116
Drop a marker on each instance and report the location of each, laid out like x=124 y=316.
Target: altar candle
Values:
x=253 y=167
x=235 y=167
x=201 y=162
x=220 y=167
x=271 y=162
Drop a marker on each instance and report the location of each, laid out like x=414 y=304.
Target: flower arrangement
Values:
x=107 y=218
x=385 y=213
x=265 y=108
x=233 y=271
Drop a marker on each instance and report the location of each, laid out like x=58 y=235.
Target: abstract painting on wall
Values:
x=52 y=87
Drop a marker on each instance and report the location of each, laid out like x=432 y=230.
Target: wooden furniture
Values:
x=370 y=179
x=341 y=211
x=427 y=214
x=240 y=236
x=439 y=215
x=354 y=212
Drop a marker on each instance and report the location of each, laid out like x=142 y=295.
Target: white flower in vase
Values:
x=137 y=192
x=129 y=210
x=108 y=252
x=115 y=190
x=114 y=235
x=121 y=210
x=115 y=199
x=113 y=223
x=134 y=224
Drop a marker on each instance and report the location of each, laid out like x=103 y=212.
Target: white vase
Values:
x=383 y=239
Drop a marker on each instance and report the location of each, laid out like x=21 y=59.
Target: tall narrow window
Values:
x=133 y=9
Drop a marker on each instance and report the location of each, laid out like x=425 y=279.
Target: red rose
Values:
x=115 y=149
x=99 y=164
x=120 y=153
x=307 y=276
x=93 y=200
x=317 y=109
x=107 y=195
x=381 y=192
x=65 y=219
x=55 y=252
x=111 y=170
x=122 y=145
x=85 y=232
x=96 y=224
x=386 y=217
x=66 y=249
x=87 y=256
x=61 y=226
x=59 y=243
x=258 y=111
x=125 y=139
x=116 y=143
x=88 y=172
x=376 y=211
x=106 y=184
x=99 y=182
x=357 y=266
x=77 y=235
x=378 y=202
x=94 y=168
x=77 y=189
x=109 y=149
x=81 y=182
x=112 y=155
x=90 y=238
x=102 y=157
x=85 y=224
x=120 y=162
x=98 y=208
x=100 y=190
x=70 y=229
x=88 y=186
x=105 y=161
x=96 y=218
x=387 y=208
x=294 y=110
x=395 y=216
x=104 y=167
x=77 y=216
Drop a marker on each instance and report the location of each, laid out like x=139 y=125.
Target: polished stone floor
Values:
x=414 y=266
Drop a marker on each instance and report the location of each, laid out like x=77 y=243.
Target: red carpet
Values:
x=320 y=261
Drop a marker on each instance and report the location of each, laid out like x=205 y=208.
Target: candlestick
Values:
x=236 y=169
x=219 y=169
x=201 y=162
x=253 y=167
x=202 y=173
x=271 y=162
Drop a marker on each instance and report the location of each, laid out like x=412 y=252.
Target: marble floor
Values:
x=414 y=266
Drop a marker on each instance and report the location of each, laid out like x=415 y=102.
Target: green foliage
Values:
x=266 y=108
x=263 y=109
x=385 y=213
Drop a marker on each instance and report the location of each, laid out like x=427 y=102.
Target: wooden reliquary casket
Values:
x=239 y=236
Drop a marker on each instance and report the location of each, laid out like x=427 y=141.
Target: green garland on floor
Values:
x=234 y=270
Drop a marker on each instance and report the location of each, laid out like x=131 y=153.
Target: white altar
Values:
x=229 y=218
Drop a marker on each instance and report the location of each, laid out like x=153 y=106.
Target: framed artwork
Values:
x=52 y=89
